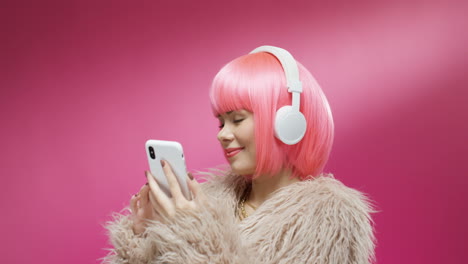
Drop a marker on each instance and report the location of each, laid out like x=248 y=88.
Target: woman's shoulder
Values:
x=327 y=195
x=328 y=189
x=326 y=186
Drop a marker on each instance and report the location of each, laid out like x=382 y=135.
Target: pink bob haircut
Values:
x=257 y=83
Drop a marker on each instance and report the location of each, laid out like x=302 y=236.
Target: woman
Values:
x=273 y=204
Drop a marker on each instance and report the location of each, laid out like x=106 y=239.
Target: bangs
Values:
x=249 y=82
x=230 y=89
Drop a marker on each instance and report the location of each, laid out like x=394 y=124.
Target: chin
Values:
x=242 y=170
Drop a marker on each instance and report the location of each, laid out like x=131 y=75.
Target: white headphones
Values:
x=290 y=123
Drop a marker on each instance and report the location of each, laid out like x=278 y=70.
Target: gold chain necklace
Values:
x=243 y=214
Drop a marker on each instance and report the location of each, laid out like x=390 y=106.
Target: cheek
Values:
x=251 y=145
x=252 y=138
x=249 y=132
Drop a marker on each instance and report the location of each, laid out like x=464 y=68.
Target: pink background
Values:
x=85 y=83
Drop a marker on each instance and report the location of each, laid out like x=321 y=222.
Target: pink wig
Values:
x=256 y=83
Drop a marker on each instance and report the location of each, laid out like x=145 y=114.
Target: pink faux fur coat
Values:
x=313 y=221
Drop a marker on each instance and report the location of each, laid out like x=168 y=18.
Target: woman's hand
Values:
x=142 y=210
x=151 y=203
x=166 y=207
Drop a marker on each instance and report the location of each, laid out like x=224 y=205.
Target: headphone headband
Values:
x=289 y=66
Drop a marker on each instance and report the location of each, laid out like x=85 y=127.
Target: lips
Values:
x=231 y=152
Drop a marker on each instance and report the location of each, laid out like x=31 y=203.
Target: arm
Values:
x=206 y=236
x=202 y=232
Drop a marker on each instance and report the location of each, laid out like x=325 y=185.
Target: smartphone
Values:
x=171 y=152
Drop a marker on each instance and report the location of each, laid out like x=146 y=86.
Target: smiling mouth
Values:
x=233 y=153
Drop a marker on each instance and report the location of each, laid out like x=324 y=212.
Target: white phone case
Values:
x=173 y=153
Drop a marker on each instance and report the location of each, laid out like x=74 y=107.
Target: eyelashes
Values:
x=234 y=121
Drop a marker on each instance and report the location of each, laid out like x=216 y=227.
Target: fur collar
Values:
x=317 y=213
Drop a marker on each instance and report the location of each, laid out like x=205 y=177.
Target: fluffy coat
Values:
x=318 y=220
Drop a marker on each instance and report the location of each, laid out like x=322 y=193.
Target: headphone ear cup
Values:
x=290 y=125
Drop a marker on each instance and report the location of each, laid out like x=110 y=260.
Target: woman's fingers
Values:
x=172 y=181
x=160 y=197
x=195 y=187
x=156 y=207
x=160 y=201
x=144 y=197
x=134 y=204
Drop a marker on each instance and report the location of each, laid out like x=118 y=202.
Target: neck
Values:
x=264 y=185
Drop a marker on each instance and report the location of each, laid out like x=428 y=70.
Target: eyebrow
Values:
x=230 y=112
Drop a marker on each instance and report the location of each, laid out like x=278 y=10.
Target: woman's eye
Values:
x=237 y=121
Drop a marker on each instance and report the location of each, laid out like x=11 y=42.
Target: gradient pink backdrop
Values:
x=85 y=83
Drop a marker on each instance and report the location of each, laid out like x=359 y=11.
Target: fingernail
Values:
x=163 y=163
x=190 y=175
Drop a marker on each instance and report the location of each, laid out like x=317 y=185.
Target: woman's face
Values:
x=237 y=140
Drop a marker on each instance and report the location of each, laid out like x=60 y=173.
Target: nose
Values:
x=225 y=134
